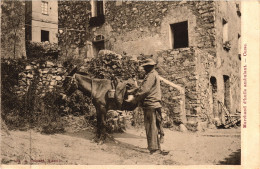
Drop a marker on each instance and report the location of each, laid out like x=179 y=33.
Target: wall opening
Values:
x=97 y=46
x=225 y=30
x=238 y=10
x=179 y=32
x=239 y=46
x=44 y=6
x=97 y=8
x=227 y=95
x=100 y=10
x=45 y=36
x=97 y=13
x=213 y=99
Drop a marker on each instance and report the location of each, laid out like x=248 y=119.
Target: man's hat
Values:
x=148 y=62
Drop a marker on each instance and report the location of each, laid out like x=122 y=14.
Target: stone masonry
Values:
x=132 y=24
x=50 y=75
x=73 y=17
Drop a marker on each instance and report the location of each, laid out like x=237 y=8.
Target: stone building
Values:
x=42 y=21
x=196 y=45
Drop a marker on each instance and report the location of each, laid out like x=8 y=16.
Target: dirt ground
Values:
x=204 y=148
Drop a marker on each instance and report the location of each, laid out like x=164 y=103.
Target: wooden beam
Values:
x=182 y=101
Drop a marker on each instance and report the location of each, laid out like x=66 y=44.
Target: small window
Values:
x=179 y=32
x=97 y=8
x=239 y=46
x=225 y=30
x=238 y=10
x=45 y=36
x=44 y=7
x=100 y=8
x=98 y=38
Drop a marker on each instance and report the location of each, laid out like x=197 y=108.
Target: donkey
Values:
x=97 y=90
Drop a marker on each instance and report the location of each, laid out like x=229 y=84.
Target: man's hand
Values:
x=132 y=91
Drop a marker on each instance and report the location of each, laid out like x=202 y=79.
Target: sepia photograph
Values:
x=127 y=82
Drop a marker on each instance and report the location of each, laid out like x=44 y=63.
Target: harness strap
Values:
x=91 y=89
x=91 y=95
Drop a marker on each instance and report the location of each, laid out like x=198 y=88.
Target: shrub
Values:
x=42 y=50
x=53 y=107
x=49 y=116
x=11 y=104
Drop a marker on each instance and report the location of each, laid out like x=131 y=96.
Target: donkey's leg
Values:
x=101 y=125
x=98 y=131
x=103 y=130
x=98 y=134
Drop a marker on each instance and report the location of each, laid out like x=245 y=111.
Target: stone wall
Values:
x=12 y=29
x=138 y=27
x=179 y=66
x=48 y=75
x=73 y=19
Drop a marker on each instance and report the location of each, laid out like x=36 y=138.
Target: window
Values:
x=225 y=30
x=179 y=33
x=238 y=10
x=97 y=8
x=44 y=36
x=100 y=8
x=98 y=38
x=239 y=46
x=97 y=13
x=44 y=8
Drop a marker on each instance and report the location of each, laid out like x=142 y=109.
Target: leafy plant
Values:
x=227 y=45
x=112 y=65
x=42 y=50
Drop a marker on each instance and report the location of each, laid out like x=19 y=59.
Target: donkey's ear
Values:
x=73 y=71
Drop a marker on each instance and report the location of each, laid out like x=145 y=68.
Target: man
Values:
x=149 y=97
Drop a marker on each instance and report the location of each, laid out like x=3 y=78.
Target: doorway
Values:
x=213 y=97
x=227 y=95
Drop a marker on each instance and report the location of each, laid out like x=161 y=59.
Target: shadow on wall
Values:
x=233 y=159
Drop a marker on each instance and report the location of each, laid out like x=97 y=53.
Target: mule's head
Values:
x=70 y=83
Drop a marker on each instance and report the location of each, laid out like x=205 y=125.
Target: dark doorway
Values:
x=227 y=101
x=97 y=46
x=180 y=35
x=214 y=101
x=44 y=36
